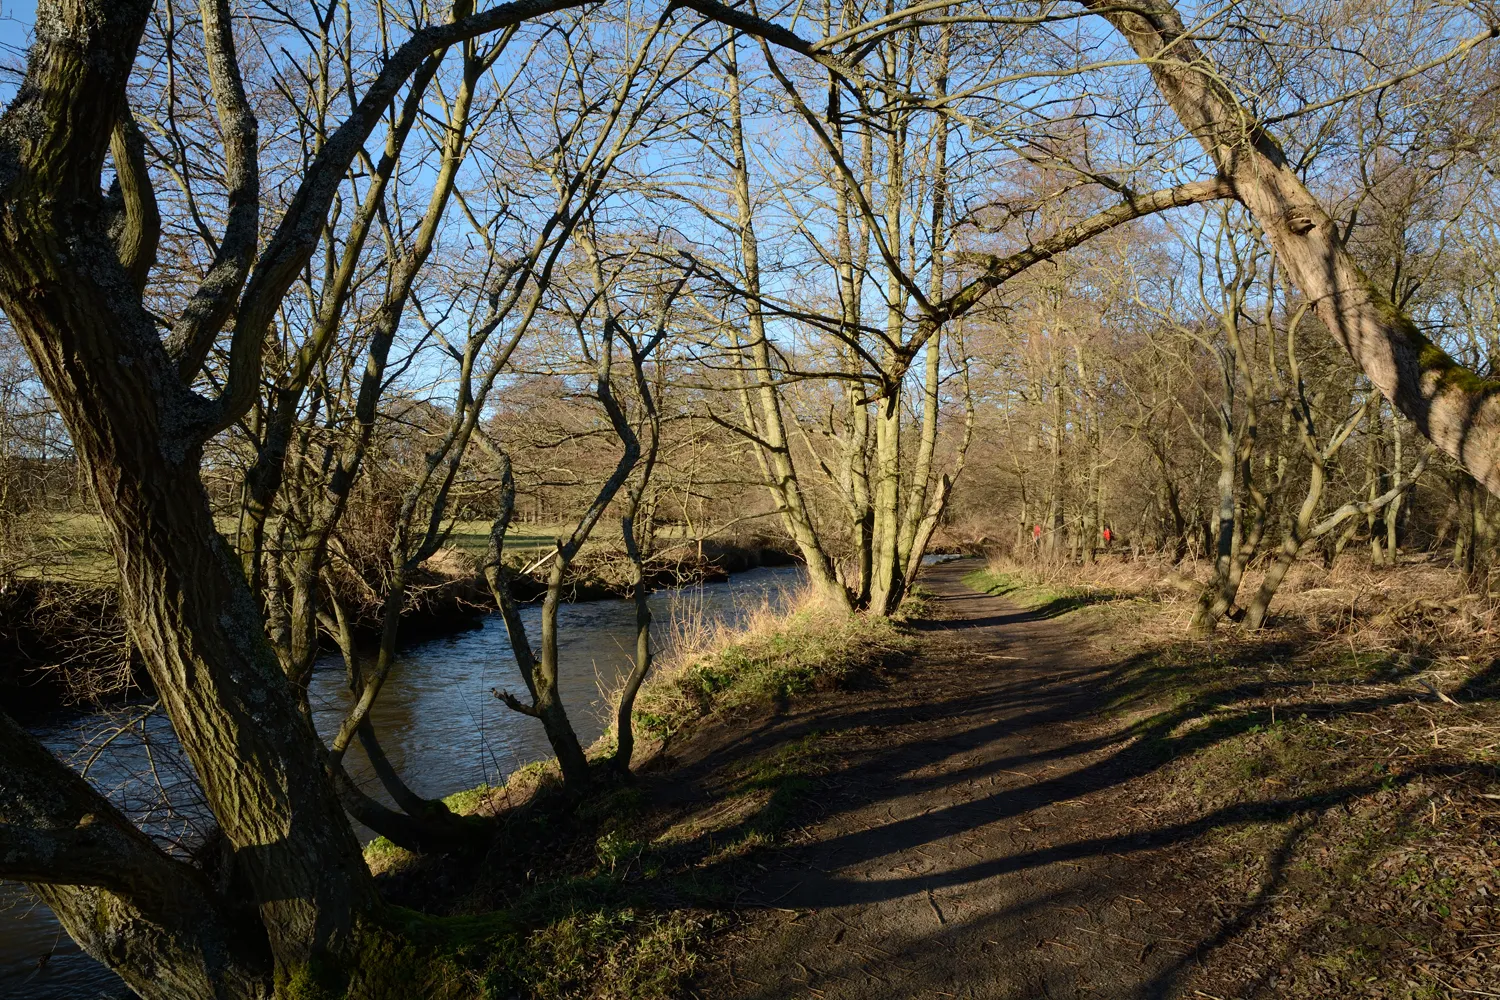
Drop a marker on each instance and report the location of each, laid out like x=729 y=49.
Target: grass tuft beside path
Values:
x=1341 y=765
x=615 y=897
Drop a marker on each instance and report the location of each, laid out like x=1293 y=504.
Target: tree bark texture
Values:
x=1453 y=407
x=138 y=431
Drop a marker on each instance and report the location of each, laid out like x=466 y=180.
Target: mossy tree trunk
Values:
x=295 y=892
x=1449 y=404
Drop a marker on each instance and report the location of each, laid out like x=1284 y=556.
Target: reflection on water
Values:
x=436 y=717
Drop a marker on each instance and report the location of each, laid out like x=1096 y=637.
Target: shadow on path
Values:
x=980 y=834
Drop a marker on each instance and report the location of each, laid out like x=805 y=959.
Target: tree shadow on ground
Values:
x=1164 y=712
x=717 y=824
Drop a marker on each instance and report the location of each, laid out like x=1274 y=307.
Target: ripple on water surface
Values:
x=437 y=720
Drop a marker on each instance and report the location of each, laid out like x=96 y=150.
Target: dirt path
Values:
x=974 y=839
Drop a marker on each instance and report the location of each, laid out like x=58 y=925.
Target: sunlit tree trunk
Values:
x=922 y=470
x=1449 y=404
x=886 y=585
x=1054 y=540
x=774 y=446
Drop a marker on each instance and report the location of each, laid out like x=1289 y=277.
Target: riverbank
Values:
x=1049 y=790
x=620 y=896
x=63 y=644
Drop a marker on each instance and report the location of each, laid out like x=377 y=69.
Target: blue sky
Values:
x=16 y=17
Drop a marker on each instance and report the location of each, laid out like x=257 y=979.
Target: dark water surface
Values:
x=436 y=717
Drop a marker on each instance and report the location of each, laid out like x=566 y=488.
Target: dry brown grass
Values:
x=1420 y=608
x=1348 y=751
x=777 y=650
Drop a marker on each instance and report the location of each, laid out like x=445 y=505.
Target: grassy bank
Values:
x=616 y=896
x=1342 y=766
x=63 y=643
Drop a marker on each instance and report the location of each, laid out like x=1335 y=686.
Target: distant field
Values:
x=74 y=548
x=473 y=537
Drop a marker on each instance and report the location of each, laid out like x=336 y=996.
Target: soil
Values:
x=1031 y=804
x=981 y=828
x=969 y=842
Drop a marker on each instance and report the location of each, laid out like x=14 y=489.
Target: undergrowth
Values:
x=613 y=896
x=1341 y=768
x=775 y=657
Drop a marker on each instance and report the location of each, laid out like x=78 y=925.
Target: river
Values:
x=437 y=720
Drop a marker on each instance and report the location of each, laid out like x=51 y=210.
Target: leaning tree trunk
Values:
x=1453 y=407
x=155 y=920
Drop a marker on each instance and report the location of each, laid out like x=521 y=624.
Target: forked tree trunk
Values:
x=139 y=432
x=1204 y=617
x=917 y=526
x=1297 y=534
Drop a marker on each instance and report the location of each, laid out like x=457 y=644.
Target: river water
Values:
x=438 y=723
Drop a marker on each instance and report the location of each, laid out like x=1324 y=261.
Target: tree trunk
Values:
x=1204 y=617
x=1291 y=545
x=1055 y=492
x=624 y=723
x=1373 y=479
x=781 y=473
x=1393 y=512
x=911 y=547
x=885 y=587
x=155 y=920
x=1450 y=405
x=139 y=432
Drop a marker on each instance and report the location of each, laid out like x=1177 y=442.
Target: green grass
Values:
x=1037 y=595
x=74 y=547
x=473 y=537
x=809 y=649
x=599 y=951
x=70 y=548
